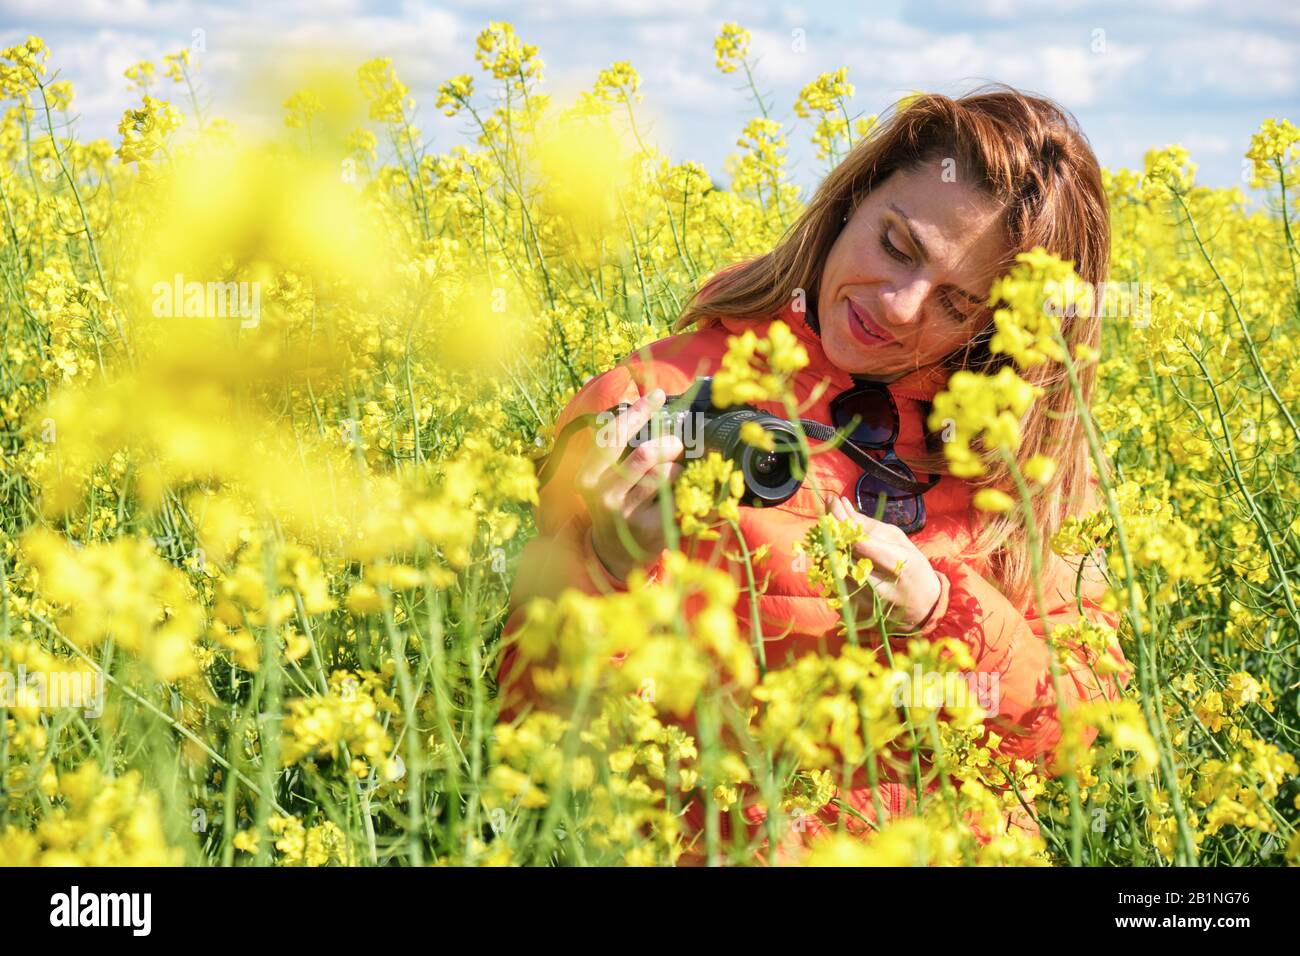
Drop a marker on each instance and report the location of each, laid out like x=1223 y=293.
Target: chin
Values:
x=848 y=354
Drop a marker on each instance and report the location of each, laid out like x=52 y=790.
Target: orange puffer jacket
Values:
x=1004 y=640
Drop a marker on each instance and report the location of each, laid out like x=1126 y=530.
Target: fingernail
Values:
x=657 y=396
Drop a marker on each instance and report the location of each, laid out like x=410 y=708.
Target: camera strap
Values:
x=868 y=464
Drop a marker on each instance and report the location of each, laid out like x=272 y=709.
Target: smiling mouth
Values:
x=863 y=330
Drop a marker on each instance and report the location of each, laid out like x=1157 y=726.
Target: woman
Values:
x=884 y=279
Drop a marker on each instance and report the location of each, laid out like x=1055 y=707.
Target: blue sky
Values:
x=1199 y=72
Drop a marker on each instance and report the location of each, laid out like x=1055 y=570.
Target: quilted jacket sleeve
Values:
x=560 y=555
x=1009 y=642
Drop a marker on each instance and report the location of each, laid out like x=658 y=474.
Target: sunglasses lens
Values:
x=876 y=413
x=907 y=512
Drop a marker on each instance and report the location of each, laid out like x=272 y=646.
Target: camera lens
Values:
x=769 y=475
x=772 y=468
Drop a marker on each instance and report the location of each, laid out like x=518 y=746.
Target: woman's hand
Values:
x=901 y=576
x=623 y=493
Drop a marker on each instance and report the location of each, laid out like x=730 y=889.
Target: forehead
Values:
x=959 y=225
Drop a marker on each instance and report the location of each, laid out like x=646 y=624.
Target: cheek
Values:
x=951 y=339
x=838 y=272
x=830 y=278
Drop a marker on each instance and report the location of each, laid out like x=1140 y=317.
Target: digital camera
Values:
x=771 y=477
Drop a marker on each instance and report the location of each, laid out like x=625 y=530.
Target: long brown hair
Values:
x=1028 y=154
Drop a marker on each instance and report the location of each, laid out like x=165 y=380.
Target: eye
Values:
x=892 y=249
x=955 y=312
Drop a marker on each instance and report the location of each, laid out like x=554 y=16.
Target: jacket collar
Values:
x=921 y=385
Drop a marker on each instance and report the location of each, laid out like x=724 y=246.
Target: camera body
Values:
x=771 y=477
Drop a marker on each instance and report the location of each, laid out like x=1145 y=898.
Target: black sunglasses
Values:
x=868 y=414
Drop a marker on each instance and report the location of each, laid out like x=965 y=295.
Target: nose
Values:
x=903 y=304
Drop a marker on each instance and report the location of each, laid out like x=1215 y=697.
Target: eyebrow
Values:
x=925 y=253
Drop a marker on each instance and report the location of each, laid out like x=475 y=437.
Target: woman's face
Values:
x=905 y=283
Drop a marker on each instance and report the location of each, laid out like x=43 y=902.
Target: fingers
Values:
x=882 y=530
x=656 y=452
x=602 y=480
x=661 y=475
x=613 y=437
x=623 y=487
x=881 y=545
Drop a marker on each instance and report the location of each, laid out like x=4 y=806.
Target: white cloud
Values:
x=780 y=62
x=1236 y=62
x=95 y=63
x=903 y=57
x=1067 y=75
x=794 y=16
x=1184 y=57
x=621 y=9
x=122 y=13
x=1057 y=10
x=1201 y=143
x=669 y=38
x=708 y=91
